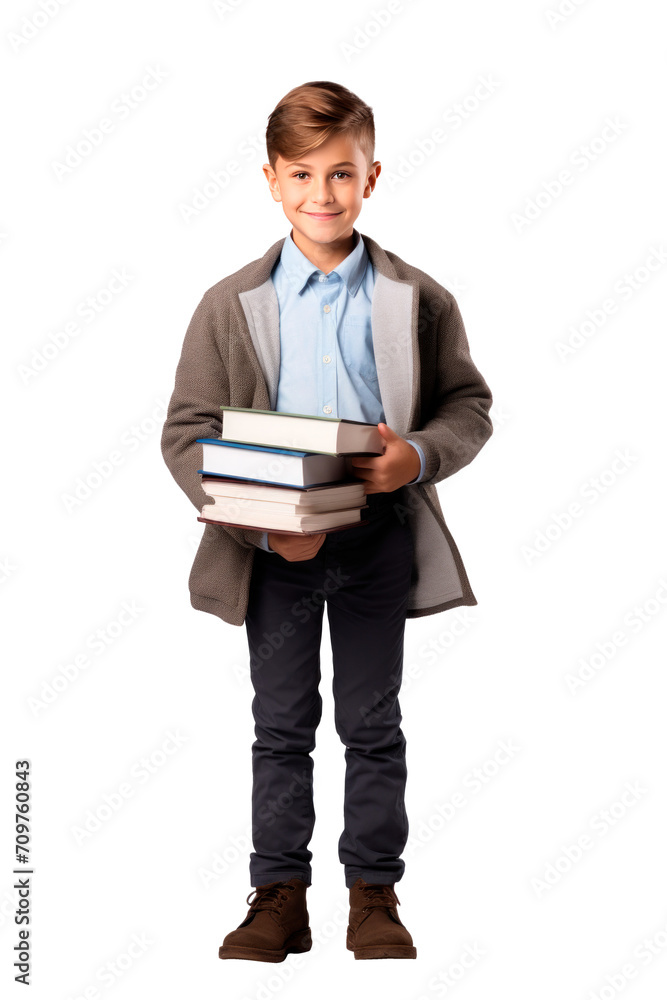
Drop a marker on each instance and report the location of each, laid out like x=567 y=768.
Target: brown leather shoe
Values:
x=276 y=924
x=375 y=929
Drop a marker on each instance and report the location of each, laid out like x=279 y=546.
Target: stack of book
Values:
x=285 y=472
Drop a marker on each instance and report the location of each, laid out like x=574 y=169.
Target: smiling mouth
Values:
x=326 y=215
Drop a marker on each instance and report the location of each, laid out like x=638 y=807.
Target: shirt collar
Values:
x=299 y=269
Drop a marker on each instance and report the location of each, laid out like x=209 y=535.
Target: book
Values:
x=300 y=432
x=283 y=531
x=255 y=496
x=261 y=463
x=266 y=507
x=231 y=507
x=300 y=522
x=285 y=472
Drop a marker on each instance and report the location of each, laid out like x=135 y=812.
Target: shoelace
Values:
x=378 y=895
x=269 y=897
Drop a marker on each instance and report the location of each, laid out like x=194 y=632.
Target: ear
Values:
x=274 y=186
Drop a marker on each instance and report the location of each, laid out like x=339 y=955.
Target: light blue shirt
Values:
x=327 y=365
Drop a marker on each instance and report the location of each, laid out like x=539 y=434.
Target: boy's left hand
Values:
x=399 y=464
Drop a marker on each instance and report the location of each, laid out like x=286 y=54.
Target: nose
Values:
x=320 y=193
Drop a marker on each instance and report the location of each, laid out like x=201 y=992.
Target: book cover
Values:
x=284 y=531
x=308 y=429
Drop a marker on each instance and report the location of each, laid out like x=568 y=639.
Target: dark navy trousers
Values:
x=363 y=574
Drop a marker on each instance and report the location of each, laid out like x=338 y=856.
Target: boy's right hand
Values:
x=295 y=548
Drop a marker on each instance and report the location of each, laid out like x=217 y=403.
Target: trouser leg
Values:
x=284 y=627
x=367 y=622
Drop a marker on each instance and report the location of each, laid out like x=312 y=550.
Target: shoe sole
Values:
x=384 y=951
x=297 y=943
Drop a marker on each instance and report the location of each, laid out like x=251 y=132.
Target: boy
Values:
x=328 y=323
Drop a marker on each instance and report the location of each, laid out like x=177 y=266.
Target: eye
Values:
x=303 y=173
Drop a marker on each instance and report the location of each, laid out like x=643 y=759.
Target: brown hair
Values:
x=310 y=114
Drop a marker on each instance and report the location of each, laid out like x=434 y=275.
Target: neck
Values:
x=325 y=256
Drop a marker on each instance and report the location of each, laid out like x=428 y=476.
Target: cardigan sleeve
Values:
x=201 y=387
x=460 y=423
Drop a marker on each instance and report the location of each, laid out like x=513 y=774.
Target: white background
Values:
x=474 y=677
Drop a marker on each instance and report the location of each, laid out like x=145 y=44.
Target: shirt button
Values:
x=327 y=409
x=327 y=309
x=326 y=359
x=323 y=277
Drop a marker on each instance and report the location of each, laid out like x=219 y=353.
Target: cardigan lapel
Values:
x=394 y=328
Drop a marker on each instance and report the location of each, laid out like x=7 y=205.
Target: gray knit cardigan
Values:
x=431 y=393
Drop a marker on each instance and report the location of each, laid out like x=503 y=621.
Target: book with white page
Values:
x=300 y=522
x=270 y=465
x=301 y=431
x=314 y=498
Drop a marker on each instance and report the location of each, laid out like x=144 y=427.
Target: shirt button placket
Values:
x=329 y=373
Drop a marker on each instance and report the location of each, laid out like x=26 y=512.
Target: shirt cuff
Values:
x=264 y=542
x=422 y=459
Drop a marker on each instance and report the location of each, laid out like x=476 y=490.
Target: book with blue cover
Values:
x=260 y=463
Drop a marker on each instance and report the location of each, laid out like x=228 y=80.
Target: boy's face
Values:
x=322 y=192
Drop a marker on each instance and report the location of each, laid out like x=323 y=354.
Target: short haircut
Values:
x=313 y=112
